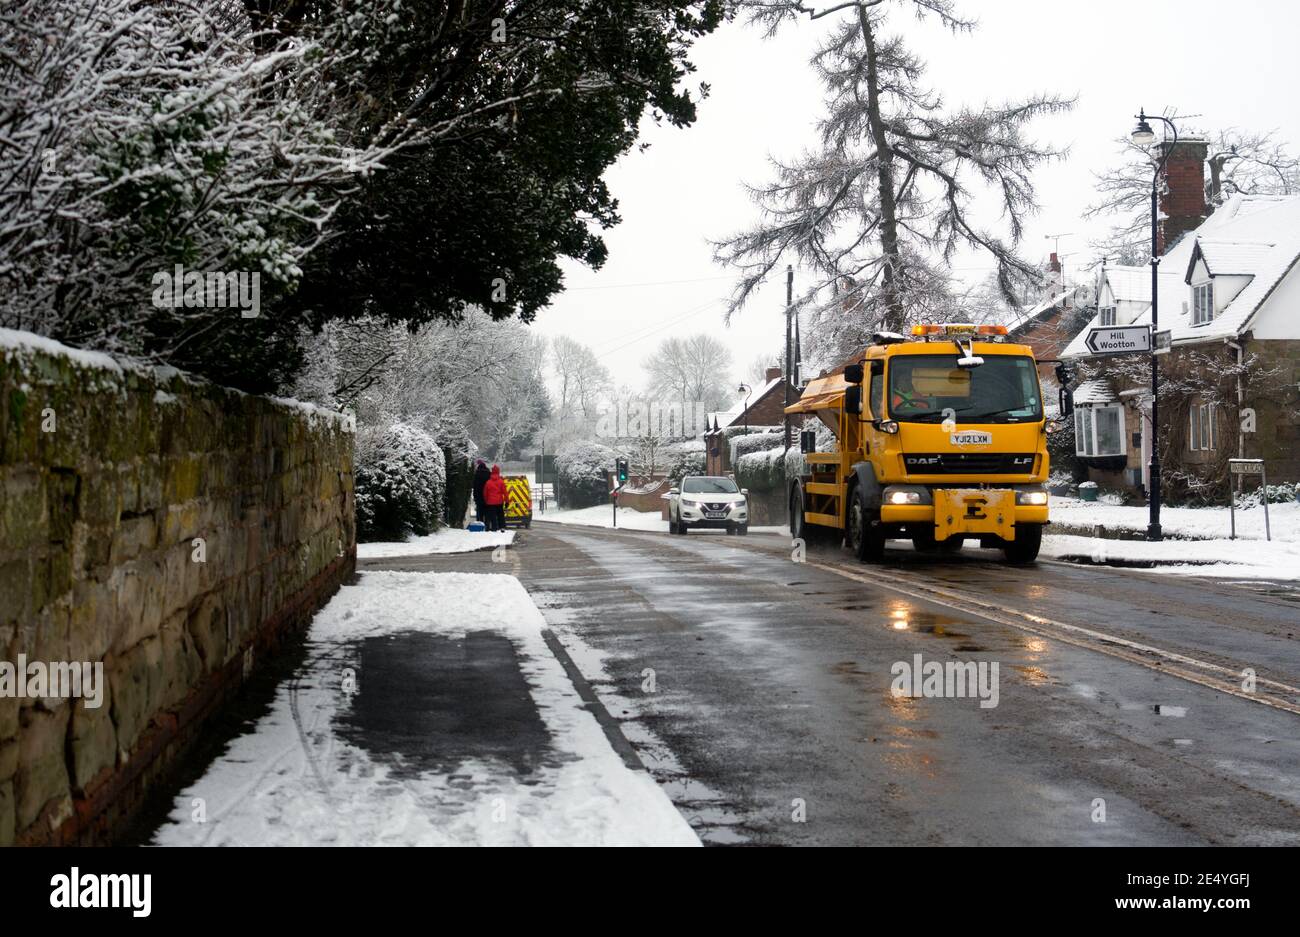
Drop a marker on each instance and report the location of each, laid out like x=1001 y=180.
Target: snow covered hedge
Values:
x=684 y=458
x=754 y=442
x=768 y=470
x=401 y=476
x=580 y=479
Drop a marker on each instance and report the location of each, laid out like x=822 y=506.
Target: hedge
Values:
x=400 y=479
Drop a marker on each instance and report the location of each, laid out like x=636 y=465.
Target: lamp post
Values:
x=747 y=390
x=1143 y=135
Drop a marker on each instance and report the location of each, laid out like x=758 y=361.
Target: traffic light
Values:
x=620 y=470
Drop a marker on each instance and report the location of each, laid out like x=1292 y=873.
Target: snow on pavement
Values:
x=294 y=781
x=447 y=540
x=1239 y=559
x=1208 y=523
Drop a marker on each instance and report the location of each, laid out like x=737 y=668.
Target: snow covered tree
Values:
x=582 y=387
x=880 y=208
x=691 y=370
x=1238 y=162
x=394 y=160
x=135 y=137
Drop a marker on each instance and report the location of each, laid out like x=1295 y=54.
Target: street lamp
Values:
x=747 y=391
x=1143 y=135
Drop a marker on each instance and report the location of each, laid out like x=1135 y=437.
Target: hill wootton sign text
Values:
x=1119 y=340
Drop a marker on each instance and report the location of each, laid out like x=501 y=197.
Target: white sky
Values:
x=1234 y=64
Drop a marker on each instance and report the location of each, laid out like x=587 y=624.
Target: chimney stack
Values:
x=1182 y=199
x=774 y=373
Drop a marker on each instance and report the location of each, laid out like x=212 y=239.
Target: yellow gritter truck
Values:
x=941 y=439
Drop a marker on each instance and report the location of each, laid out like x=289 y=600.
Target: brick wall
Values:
x=172 y=531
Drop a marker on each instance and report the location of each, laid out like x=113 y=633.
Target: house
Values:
x=1048 y=328
x=1229 y=299
x=765 y=408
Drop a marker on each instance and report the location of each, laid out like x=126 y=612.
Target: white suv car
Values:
x=708 y=501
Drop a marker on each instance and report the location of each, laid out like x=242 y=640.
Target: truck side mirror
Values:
x=853 y=399
x=853 y=373
x=1066 y=405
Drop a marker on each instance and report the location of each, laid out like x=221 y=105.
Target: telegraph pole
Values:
x=789 y=316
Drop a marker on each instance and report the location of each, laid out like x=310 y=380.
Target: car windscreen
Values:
x=709 y=486
x=931 y=389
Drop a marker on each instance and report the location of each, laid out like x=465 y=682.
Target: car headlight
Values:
x=688 y=503
x=1033 y=496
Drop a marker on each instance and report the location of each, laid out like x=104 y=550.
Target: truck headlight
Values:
x=1033 y=496
x=907 y=494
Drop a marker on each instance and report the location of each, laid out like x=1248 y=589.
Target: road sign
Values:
x=1119 y=340
x=1164 y=341
x=1241 y=467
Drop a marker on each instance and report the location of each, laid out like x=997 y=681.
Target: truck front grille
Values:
x=969 y=463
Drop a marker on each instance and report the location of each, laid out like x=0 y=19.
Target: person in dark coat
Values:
x=481 y=476
x=494 y=496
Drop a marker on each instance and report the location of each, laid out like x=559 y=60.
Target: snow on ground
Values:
x=1208 y=523
x=1237 y=559
x=447 y=540
x=602 y=516
x=294 y=781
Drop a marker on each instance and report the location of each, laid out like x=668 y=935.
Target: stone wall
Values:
x=169 y=529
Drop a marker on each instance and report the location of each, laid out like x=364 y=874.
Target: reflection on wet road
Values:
x=770 y=716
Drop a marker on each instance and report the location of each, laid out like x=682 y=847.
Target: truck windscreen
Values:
x=931 y=388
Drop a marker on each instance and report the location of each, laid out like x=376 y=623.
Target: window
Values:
x=1106 y=316
x=702 y=485
x=1099 y=431
x=1202 y=303
x=878 y=393
x=1204 y=429
x=926 y=388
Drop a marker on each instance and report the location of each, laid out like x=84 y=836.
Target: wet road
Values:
x=757 y=690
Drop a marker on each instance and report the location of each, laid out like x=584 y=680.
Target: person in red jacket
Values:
x=494 y=496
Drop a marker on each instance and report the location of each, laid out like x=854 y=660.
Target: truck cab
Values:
x=941 y=439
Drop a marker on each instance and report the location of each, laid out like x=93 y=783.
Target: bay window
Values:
x=1099 y=431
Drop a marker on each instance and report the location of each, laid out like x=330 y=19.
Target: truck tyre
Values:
x=1024 y=549
x=865 y=539
x=797 y=524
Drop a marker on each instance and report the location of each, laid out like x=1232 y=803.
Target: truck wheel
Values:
x=797 y=524
x=865 y=539
x=1024 y=549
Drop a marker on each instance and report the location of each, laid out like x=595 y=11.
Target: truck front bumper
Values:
x=962 y=512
